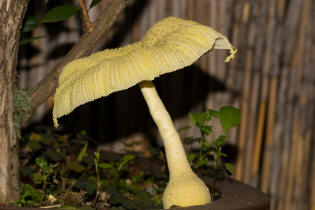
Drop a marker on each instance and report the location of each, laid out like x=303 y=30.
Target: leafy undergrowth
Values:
x=61 y=171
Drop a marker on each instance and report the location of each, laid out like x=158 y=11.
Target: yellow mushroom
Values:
x=168 y=45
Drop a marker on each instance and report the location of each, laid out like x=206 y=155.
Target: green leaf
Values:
x=97 y=155
x=82 y=153
x=50 y=168
x=47 y=139
x=144 y=200
x=229 y=117
x=53 y=154
x=63 y=139
x=94 y=3
x=200 y=162
x=36 y=137
x=33 y=146
x=88 y=184
x=41 y=162
x=183 y=128
x=38 y=178
x=223 y=154
x=219 y=142
x=88 y=160
x=190 y=140
x=83 y=133
x=138 y=178
x=30 y=39
x=60 y=13
x=205 y=146
x=117 y=198
x=206 y=130
x=30 y=24
x=191 y=157
x=125 y=159
x=29 y=193
x=75 y=166
x=199 y=119
x=105 y=165
x=213 y=113
x=228 y=167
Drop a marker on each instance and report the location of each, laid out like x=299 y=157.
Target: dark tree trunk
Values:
x=11 y=15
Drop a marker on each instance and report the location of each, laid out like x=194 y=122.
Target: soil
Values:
x=235 y=196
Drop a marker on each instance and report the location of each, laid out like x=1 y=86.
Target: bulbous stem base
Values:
x=186 y=190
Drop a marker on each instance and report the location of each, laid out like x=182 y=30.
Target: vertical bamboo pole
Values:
x=221 y=27
x=293 y=164
x=302 y=175
x=212 y=23
x=190 y=9
x=289 y=163
x=265 y=82
x=248 y=101
x=211 y=101
x=284 y=146
x=247 y=90
x=202 y=17
x=239 y=165
x=297 y=63
x=252 y=147
x=266 y=168
x=277 y=149
x=291 y=75
x=258 y=142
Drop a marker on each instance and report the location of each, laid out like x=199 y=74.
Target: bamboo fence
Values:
x=271 y=80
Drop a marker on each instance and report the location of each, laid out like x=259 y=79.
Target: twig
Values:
x=84 y=47
x=50 y=207
x=85 y=15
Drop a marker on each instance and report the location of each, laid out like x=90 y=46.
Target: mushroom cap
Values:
x=168 y=45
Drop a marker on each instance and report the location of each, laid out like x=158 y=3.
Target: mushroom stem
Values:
x=184 y=187
x=175 y=153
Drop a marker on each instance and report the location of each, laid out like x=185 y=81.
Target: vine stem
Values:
x=44 y=189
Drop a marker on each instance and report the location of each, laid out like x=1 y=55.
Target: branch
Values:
x=84 y=47
x=85 y=16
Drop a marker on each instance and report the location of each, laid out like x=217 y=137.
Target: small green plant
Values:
x=59 y=169
x=210 y=153
x=112 y=170
x=30 y=196
x=41 y=177
x=123 y=185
